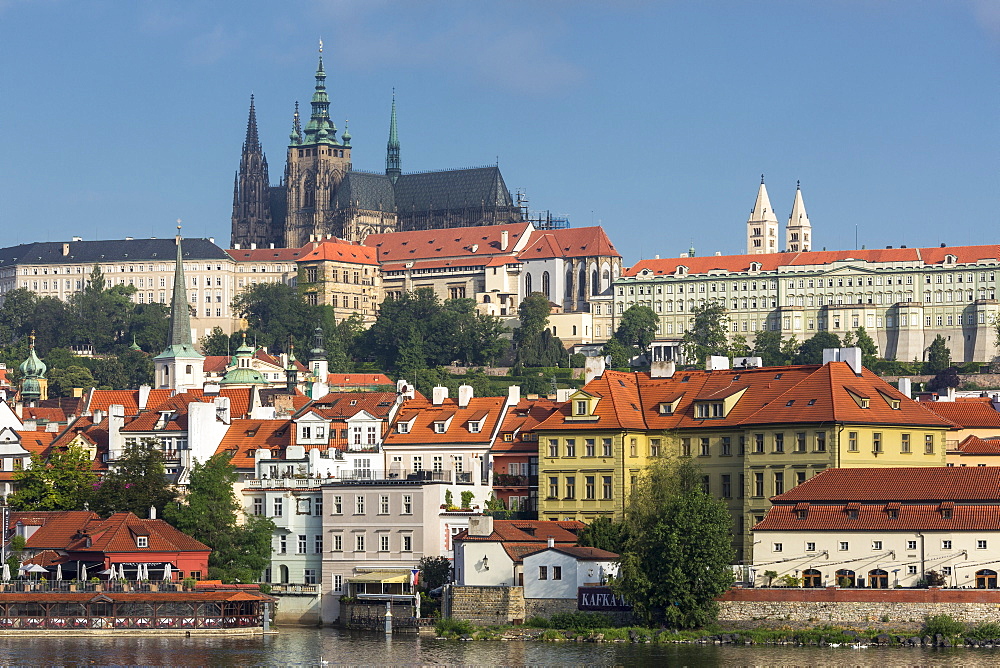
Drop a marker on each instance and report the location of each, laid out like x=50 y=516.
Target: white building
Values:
x=558 y=571
x=884 y=527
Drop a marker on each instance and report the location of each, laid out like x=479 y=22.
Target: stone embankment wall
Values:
x=857 y=606
x=488 y=606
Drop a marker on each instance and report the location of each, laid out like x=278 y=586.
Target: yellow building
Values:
x=754 y=432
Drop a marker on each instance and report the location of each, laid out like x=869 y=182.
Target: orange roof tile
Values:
x=967 y=414
x=451 y=242
x=268 y=254
x=973 y=445
x=102 y=400
x=520 y=421
x=340 y=251
x=342 y=405
x=118 y=534
x=568 y=242
x=246 y=436
x=358 y=379
x=910 y=483
x=874 y=517
x=426 y=414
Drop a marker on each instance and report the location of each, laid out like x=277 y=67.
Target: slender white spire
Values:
x=762 y=226
x=798 y=233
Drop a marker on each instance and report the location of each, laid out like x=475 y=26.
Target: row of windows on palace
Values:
x=877 y=546
x=309 y=505
x=801 y=283
x=360 y=543
x=800 y=442
x=871 y=321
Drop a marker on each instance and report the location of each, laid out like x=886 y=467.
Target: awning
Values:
x=385 y=577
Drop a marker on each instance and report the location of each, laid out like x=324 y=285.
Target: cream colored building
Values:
x=903 y=297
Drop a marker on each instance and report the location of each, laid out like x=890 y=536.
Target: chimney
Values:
x=504 y=239
x=116 y=422
x=211 y=239
x=662 y=369
x=551 y=542
x=949 y=395
x=76 y=239
x=152 y=512
x=144 y=391
x=904 y=387
x=850 y=355
x=716 y=363
x=481 y=525
x=464 y=395
x=236 y=246
x=253 y=246
x=513 y=395
x=438 y=395
x=272 y=244
x=593 y=367
x=98 y=416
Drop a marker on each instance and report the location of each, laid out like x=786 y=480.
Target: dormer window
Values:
x=475 y=427
x=403 y=427
x=440 y=427
x=580 y=407
x=666 y=409
x=142 y=541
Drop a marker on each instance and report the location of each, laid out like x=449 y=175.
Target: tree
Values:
x=620 y=354
x=869 y=351
x=676 y=557
x=275 y=313
x=768 y=345
x=534 y=344
x=215 y=343
x=944 y=379
x=604 y=534
x=62 y=381
x=637 y=327
x=938 y=356
x=137 y=482
x=811 y=350
x=738 y=347
x=434 y=572
x=101 y=314
x=210 y=513
x=707 y=333
x=64 y=482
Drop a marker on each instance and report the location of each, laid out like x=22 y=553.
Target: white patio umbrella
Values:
x=59 y=572
x=83 y=572
x=6 y=572
x=34 y=568
x=143 y=571
x=168 y=573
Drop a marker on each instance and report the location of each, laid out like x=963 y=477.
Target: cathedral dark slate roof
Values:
x=116 y=250
x=371 y=192
x=452 y=189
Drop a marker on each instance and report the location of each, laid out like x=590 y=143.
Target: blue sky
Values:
x=654 y=119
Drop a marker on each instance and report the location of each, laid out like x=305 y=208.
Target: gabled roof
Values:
x=523 y=537
x=118 y=534
x=967 y=414
x=579 y=553
x=342 y=405
x=246 y=436
x=103 y=399
x=620 y=406
x=911 y=483
x=57 y=528
x=874 y=517
x=447 y=243
x=568 y=242
x=520 y=420
x=112 y=250
x=426 y=414
x=973 y=445
x=340 y=251
x=478 y=187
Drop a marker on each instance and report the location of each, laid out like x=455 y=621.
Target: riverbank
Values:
x=936 y=632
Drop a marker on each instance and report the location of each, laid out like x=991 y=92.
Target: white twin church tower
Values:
x=762 y=226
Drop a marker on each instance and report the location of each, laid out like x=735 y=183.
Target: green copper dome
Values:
x=243 y=373
x=33 y=367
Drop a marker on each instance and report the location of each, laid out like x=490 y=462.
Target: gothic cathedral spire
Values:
x=392 y=164
x=180 y=366
x=762 y=226
x=251 y=223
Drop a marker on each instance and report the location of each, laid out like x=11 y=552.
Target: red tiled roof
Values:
x=523 y=537
x=101 y=400
x=771 y=262
x=911 y=483
x=245 y=436
x=874 y=517
x=444 y=243
x=118 y=534
x=341 y=251
x=973 y=445
x=217 y=364
x=47 y=414
x=581 y=553
x=568 y=242
x=56 y=528
x=358 y=379
x=521 y=420
x=342 y=405
x=967 y=414
x=426 y=414
x=619 y=405
x=268 y=254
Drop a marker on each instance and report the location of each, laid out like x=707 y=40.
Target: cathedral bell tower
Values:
x=317 y=162
x=180 y=366
x=762 y=226
x=251 y=193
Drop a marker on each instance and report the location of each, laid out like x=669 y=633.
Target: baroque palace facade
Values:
x=321 y=195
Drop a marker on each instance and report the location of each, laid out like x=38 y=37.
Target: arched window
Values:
x=283 y=574
x=486 y=299
x=812 y=578
x=569 y=283
x=546 y=285
x=595 y=285
x=582 y=283
x=846 y=578
x=986 y=579
x=606 y=279
x=878 y=579
x=527 y=284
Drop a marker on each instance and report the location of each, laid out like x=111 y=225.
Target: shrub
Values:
x=579 y=621
x=946 y=625
x=984 y=631
x=537 y=622
x=552 y=634
x=449 y=626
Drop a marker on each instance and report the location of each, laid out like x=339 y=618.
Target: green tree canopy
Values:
x=210 y=513
x=434 y=572
x=869 y=351
x=102 y=314
x=707 y=333
x=604 y=534
x=621 y=355
x=136 y=483
x=938 y=356
x=811 y=350
x=62 y=381
x=944 y=379
x=770 y=347
x=637 y=327
x=64 y=482
x=675 y=560
x=534 y=344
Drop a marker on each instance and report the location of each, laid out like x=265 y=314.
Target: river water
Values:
x=310 y=647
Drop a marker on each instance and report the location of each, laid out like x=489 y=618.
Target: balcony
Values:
x=307 y=589
x=285 y=483
x=394 y=475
